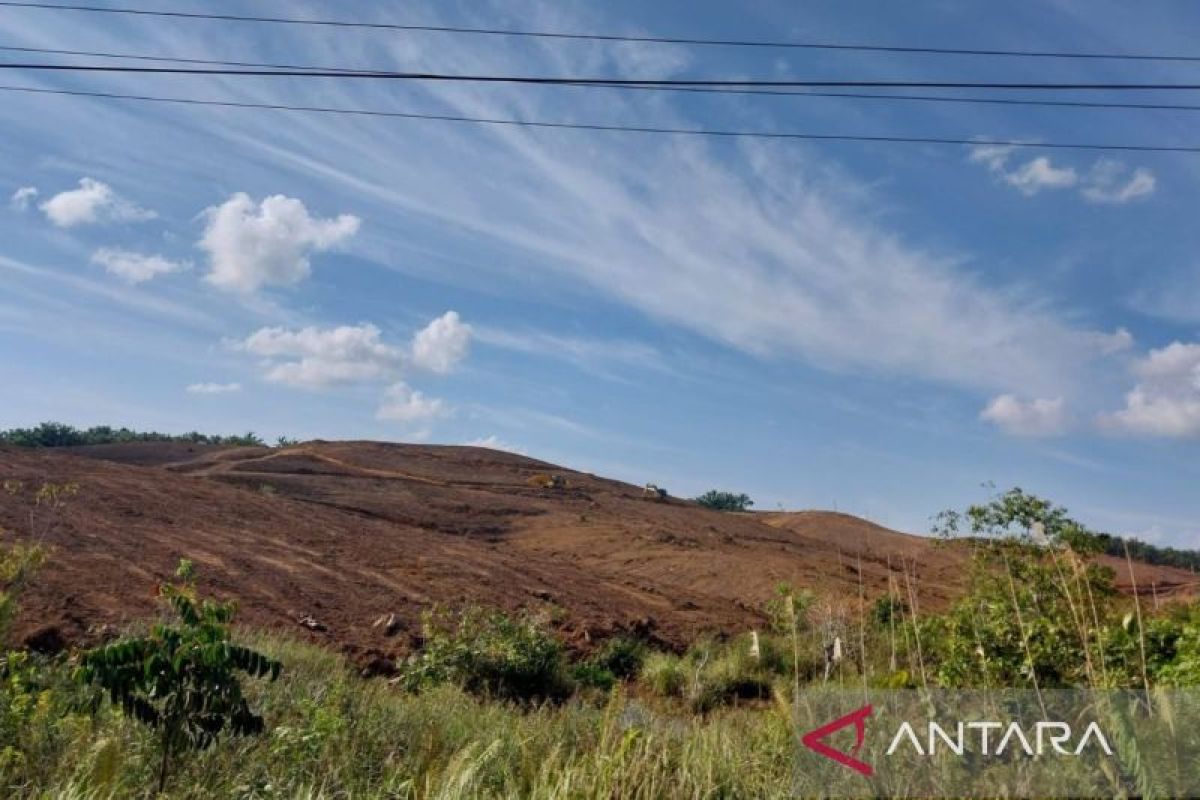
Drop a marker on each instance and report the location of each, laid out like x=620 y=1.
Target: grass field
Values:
x=332 y=734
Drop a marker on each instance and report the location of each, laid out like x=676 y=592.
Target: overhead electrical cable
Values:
x=577 y=81
x=641 y=129
x=690 y=89
x=602 y=37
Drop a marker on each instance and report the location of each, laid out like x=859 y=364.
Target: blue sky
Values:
x=877 y=328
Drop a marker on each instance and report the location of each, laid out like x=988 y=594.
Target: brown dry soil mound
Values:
x=346 y=533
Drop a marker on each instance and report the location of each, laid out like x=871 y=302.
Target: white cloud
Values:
x=251 y=245
x=23 y=197
x=319 y=357
x=91 y=204
x=1166 y=399
x=639 y=59
x=135 y=267
x=1029 y=178
x=993 y=156
x=495 y=443
x=403 y=404
x=656 y=225
x=1119 y=341
x=1038 y=174
x=1106 y=183
x=214 y=388
x=659 y=227
x=315 y=357
x=1038 y=417
x=441 y=344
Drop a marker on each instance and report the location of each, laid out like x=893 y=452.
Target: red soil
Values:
x=348 y=532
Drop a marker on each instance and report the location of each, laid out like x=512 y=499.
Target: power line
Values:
x=170 y=59
x=596 y=37
x=696 y=89
x=558 y=81
x=642 y=129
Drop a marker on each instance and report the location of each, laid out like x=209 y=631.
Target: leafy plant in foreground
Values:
x=182 y=679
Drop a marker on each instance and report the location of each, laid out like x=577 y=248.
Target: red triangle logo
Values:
x=814 y=740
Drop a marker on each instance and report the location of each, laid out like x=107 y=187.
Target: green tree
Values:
x=725 y=501
x=56 y=434
x=1021 y=516
x=1039 y=611
x=182 y=680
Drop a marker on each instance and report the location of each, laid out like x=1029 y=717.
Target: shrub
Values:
x=181 y=680
x=663 y=674
x=888 y=610
x=719 y=674
x=489 y=653
x=1183 y=669
x=591 y=674
x=725 y=501
x=17 y=562
x=621 y=656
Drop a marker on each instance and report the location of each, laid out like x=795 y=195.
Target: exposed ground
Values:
x=347 y=534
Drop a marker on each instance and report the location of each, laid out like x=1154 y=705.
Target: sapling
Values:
x=182 y=679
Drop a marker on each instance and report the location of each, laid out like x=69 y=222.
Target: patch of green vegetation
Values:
x=56 y=434
x=491 y=654
x=332 y=734
x=725 y=501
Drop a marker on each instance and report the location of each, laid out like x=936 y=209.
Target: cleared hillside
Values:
x=344 y=534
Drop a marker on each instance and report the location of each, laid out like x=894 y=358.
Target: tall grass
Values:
x=332 y=734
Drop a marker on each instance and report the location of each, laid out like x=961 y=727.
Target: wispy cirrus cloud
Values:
x=1108 y=181
x=213 y=388
x=1176 y=298
x=493 y=442
x=598 y=356
x=22 y=198
x=134 y=267
x=1113 y=183
x=764 y=248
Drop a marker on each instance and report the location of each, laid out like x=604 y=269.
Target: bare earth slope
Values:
x=345 y=533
